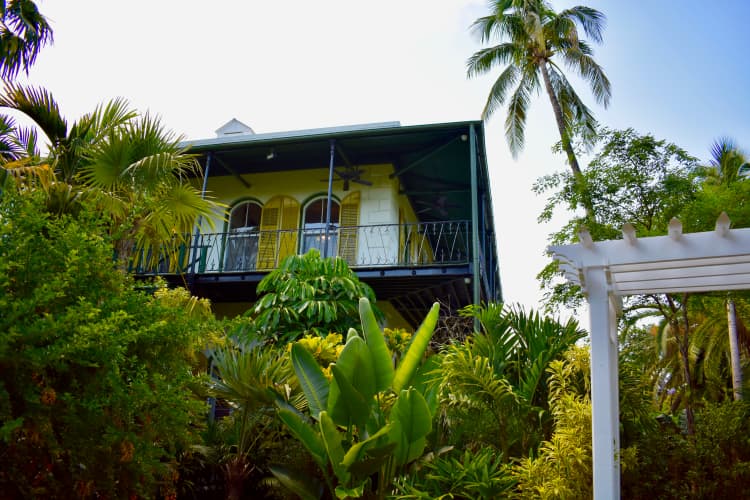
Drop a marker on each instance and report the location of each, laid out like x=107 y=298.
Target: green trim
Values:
x=313 y=197
x=474 y=221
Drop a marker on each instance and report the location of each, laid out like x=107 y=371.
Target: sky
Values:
x=679 y=70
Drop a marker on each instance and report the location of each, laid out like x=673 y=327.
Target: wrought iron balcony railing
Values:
x=384 y=245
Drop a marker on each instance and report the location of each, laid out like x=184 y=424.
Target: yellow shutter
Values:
x=289 y=227
x=348 y=231
x=279 y=225
x=269 y=225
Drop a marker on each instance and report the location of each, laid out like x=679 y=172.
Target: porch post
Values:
x=605 y=410
x=474 y=218
x=196 y=255
x=330 y=194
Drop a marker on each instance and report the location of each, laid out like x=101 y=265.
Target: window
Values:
x=314 y=230
x=242 y=239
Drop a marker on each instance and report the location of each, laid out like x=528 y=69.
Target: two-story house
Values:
x=408 y=207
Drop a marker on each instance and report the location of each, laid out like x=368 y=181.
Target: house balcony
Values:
x=410 y=265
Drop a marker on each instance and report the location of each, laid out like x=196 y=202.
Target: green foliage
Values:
x=714 y=463
x=24 y=32
x=471 y=475
x=253 y=378
x=368 y=419
x=309 y=295
x=494 y=385
x=97 y=387
x=632 y=178
x=127 y=163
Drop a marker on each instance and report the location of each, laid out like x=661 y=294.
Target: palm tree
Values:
x=534 y=39
x=23 y=32
x=725 y=167
x=253 y=379
x=128 y=164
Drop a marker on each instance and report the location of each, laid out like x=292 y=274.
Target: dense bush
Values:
x=95 y=395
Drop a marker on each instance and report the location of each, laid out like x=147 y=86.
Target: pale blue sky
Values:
x=679 y=70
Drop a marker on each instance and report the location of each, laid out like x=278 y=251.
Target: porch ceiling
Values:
x=432 y=162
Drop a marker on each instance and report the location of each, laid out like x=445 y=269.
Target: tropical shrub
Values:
x=307 y=294
x=471 y=475
x=96 y=391
x=494 y=385
x=369 y=421
x=252 y=378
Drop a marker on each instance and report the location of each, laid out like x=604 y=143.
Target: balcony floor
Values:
x=411 y=291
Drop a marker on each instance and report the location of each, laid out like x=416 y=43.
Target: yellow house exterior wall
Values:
x=380 y=203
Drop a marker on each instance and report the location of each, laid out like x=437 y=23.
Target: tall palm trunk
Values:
x=734 y=349
x=566 y=143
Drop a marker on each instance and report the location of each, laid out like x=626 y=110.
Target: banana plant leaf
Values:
x=332 y=439
x=307 y=435
x=353 y=387
x=314 y=384
x=417 y=348
x=357 y=451
x=381 y=356
x=303 y=486
x=346 y=402
x=411 y=422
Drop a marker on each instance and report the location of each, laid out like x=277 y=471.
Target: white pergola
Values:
x=608 y=270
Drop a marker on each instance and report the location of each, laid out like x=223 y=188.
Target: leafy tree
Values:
x=23 y=33
x=535 y=40
x=96 y=395
x=128 y=163
x=307 y=294
x=634 y=179
x=643 y=181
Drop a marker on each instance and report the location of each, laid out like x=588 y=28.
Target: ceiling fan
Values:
x=349 y=174
x=440 y=206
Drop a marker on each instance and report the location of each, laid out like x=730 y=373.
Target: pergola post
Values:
x=608 y=270
x=605 y=405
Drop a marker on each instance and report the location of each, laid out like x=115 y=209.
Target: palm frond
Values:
x=591 y=72
x=484 y=60
x=104 y=120
x=26 y=139
x=28 y=174
x=591 y=20
x=518 y=104
x=23 y=32
x=9 y=147
x=39 y=105
x=487 y=27
x=499 y=90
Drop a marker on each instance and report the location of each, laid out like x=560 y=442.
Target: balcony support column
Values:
x=330 y=195
x=198 y=223
x=476 y=297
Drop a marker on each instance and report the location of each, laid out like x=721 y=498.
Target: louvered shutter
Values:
x=269 y=225
x=348 y=228
x=289 y=228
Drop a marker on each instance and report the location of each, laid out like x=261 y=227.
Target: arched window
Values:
x=242 y=238
x=314 y=229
